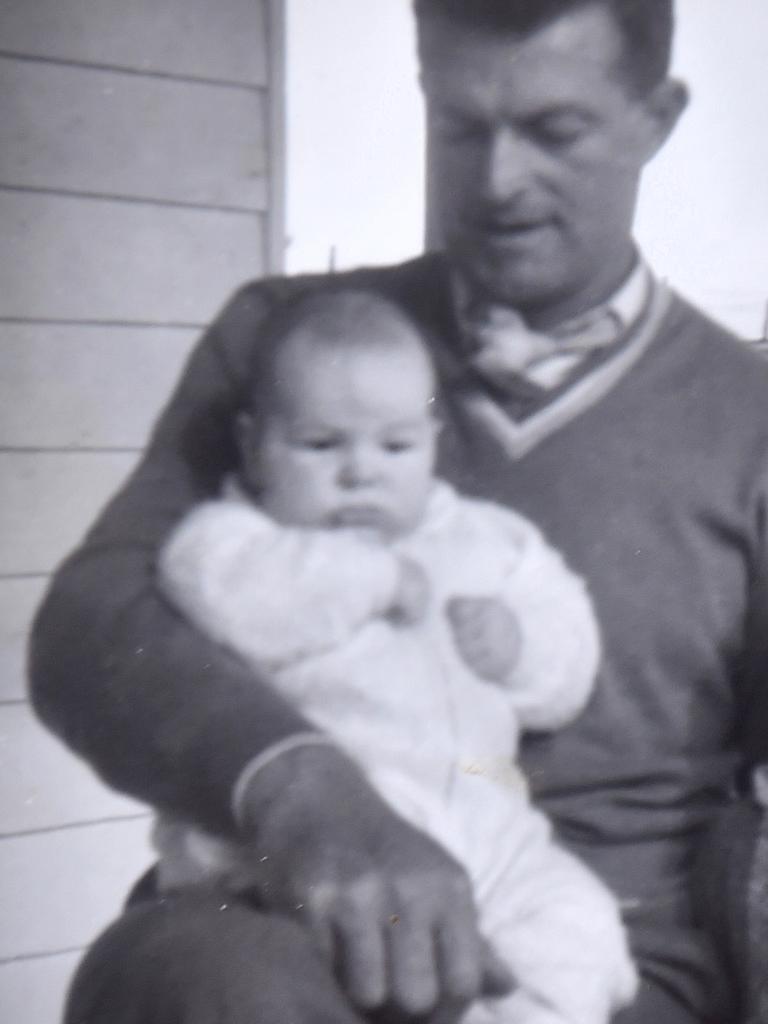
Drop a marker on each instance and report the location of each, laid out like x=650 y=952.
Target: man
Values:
x=578 y=390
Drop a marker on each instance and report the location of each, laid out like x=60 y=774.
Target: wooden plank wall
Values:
x=138 y=156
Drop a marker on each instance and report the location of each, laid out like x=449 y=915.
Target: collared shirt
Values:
x=502 y=344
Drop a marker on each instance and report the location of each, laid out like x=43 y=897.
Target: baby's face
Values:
x=350 y=442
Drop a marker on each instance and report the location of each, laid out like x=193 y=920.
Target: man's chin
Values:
x=516 y=280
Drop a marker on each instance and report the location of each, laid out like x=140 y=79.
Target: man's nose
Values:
x=359 y=467
x=510 y=164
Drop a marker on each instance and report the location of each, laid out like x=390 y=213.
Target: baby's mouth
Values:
x=361 y=517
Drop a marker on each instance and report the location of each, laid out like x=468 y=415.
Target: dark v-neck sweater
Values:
x=655 y=491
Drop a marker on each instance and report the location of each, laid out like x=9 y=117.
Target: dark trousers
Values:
x=205 y=959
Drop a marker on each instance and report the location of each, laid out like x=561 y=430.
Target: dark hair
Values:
x=328 y=312
x=646 y=26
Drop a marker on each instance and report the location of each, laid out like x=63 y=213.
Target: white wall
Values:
x=355 y=165
x=355 y=149
x=115 y=247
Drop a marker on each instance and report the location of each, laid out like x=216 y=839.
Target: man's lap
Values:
x=205 y=959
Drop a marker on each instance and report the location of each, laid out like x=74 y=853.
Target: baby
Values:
x=420 y=629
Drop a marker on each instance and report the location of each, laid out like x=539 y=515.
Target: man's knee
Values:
x=204 y=960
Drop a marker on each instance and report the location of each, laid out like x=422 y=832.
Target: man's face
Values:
x=538 y=148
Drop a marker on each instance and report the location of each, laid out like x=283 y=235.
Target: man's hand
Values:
x=487 y=636
x=391 y=908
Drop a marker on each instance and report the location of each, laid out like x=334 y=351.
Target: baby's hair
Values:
x=338 y=319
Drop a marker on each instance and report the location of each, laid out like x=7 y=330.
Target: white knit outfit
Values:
x=438 y=742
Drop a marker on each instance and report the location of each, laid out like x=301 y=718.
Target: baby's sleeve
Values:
x=272 y=594
x=560 y=641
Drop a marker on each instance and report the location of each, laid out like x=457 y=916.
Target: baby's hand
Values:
x=411 y=598
x=487 y=636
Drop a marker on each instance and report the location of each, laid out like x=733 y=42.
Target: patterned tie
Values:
x=503 y=346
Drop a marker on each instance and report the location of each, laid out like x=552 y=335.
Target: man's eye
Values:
x=564 y=130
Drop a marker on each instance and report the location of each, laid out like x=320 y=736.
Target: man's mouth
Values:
x=510 y=231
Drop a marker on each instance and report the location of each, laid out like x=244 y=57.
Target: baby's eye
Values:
x=397 y=446
x=317 y=444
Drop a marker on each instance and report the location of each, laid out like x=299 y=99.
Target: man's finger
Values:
x=413 y=969
x=459 y=956
x=361 y=960
x=315 y=910
x=320 y=928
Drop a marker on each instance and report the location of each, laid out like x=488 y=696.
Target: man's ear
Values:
x=663 y=107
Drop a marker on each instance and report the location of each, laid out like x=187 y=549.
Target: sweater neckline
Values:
x=519 y=436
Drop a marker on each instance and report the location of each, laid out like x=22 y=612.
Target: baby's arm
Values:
x=487 y=636
x=559 y=636
x=537 y=635
x=275 y=594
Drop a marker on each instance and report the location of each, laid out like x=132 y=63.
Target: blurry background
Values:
x=153 y=155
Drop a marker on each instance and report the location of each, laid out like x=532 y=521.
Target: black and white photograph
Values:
x=384 y=521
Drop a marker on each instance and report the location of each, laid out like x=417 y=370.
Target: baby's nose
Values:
x=358 y=468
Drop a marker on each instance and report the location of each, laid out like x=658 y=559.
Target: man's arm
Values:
x=730 y=880
x=159 y=710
